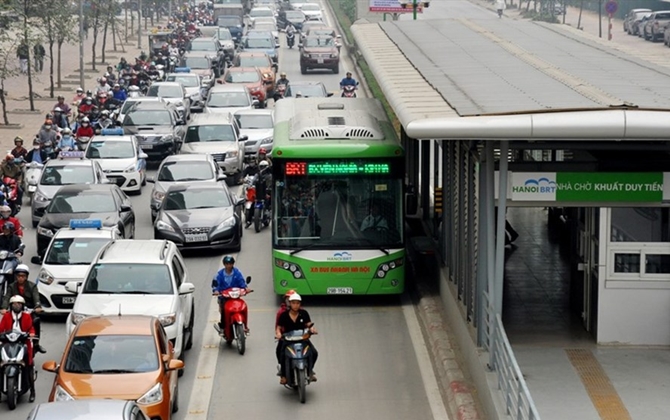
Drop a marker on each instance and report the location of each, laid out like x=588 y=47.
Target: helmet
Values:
x=80 y=90
x=103 y=80
x=18 y=139
x=262 y=151
x=263 y=164
x=105 y=112
x=85 y=120
x=133 y=89
x=289 y=293
x=17 y=299
x=228 y=259
x=22 y=268
x=66 y=131
x=57 y=109
x=282 y=74
x=48 y=122
x=5 y=211
x=8 y=225
x=293 y=297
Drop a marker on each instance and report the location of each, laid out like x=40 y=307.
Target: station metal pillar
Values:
x=425 y=179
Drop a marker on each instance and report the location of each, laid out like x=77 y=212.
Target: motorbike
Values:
x=250 y=195
x=290 y=39
x=235 y=309
x=8 y=262
x=82 y=142
x=15 y=380
x=280 y=91
x=11 y=188
x=500 y=13
x=32 y=177
x=298 y=355
x=262 y=213
x=349 y=91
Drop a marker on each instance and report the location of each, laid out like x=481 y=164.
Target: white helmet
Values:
x=17 y=299
x=5 y=211
x=294 y=296
x=263 y=164
x=22 y=268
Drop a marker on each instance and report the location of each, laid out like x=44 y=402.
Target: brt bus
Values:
x=338 y=171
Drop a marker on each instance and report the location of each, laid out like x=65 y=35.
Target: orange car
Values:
x=250 y=77
x=119 y=357
x=262 y=61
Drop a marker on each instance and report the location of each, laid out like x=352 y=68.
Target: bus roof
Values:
x=333 y=127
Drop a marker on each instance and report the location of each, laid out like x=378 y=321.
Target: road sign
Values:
x=611 y=7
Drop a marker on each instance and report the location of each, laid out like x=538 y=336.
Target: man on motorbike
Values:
x=263 y=157
x=59 y=118
x=78 y=97
x=279 y=92
x=87 y=107
x=10 y=168
x=37 y=154
x=19 y=151
x=65 y=108
x=118 y=93
x=9 y=241
x=47 y=134
x=28 y=291
x=85 y=129
x=123 y=64
x=102 y=86
x=6 y=218
x=227 y=277
x=111 y=77
x=104 y=122
x=17 y=319
x=294 y=319
x=67 y=142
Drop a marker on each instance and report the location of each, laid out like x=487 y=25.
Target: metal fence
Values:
x=518 y=401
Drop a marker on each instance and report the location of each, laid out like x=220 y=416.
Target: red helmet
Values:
x=262 y=151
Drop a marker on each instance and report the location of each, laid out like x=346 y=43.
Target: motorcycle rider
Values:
x=37 y=153
x=59 y=118
x=67 y=142
x=28 y=290
x=10 y=168
x=102 y=86
x=65 y=108
x=294 y=319
x=104 y=122
x=87 y=107
x=263 y=156
x=15 y=320
x=227 y=277
x=282 y=81
x=47 y=134
x=6 y=218
x=85 y=129
x=78 y=97
x=348 y=81
x=119 y=94
x=261 y=183
x=111 y=77
x=19 y=151
x=9 y=241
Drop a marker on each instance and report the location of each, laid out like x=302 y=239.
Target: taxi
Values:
x=120 y=357
x=67 y=258
x=69 y=168
x=121 y=158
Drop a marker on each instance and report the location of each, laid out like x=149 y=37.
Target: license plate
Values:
x=67 y=300
x=319 y=60
x=202 y=237
x=147 y=146
x=340 y=291
x=32 y=188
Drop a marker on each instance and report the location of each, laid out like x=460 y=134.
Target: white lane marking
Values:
x=203 y=383
x=425 y=366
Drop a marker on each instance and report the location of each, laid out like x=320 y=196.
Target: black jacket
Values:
x=10 y=243
x=30 y=294
x=29 y=156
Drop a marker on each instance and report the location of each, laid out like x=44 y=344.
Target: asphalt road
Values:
x=372 y=363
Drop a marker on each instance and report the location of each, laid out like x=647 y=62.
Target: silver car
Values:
x=182 y=169
x=225 y=99
x=175 y=94
x=106 y=409
x=193 y=86
x=258 y=126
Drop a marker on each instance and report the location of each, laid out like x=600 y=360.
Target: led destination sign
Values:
x=337 y=168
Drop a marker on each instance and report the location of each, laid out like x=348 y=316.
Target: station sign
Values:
x=393 y=6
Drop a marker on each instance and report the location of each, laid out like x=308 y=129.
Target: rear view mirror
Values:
x=221 y=177
x=175 y=364
x=36 y=260
x=72 y=287
x=125 y=208
x=248 y=279
x=150 y=179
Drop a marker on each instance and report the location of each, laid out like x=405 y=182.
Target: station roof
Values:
x=513 y=79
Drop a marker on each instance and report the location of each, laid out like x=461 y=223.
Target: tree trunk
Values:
x=104 y=42
x=30 y=74
x=51 y=68
x=5 y=118
x=579 y=20
x=96 y=24
x=58 y=70
x=114 y=32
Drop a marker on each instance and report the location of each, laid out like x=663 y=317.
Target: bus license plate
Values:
x=68 y=300
x=196 y=238
x=340 y=291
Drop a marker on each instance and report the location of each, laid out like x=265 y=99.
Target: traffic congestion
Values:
x=138 y=215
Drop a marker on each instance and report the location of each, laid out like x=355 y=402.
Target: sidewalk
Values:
x=16 y=88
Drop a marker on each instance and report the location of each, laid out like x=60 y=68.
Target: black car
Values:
x=295 y=17
x=104 y=202
x=201 y=216
x=157 y=126
x=307 y=90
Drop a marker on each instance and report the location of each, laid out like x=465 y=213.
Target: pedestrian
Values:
x=23 y=52
x=39 y=53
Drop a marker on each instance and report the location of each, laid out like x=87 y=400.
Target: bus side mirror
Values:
x=411 y=204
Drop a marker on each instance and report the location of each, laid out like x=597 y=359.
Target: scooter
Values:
x=15 y=380
x=262 y=214
x=82 y=142
x=235 y=309
x=290 y=39
x=11 y=188
x=8 y=262
x=349 y=91
x=250 y=194
x=32 y=178
x=298 y=355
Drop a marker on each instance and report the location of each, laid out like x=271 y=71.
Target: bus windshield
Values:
x=339 y=212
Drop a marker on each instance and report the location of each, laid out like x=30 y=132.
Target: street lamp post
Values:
x=81 y=45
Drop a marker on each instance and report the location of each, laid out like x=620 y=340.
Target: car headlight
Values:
x=44 y=231
x=62 y=395
x=231 y=154
x=77 y=318
x=158 y=195
x=45 y=276
x=228 y=223
x=166 y=139
x=167 y=319
x=267 y=140
x=306 y=55
x=152 y=396
x=41 y=198
x=130 y=168
x=333 y=55
x=161 y=225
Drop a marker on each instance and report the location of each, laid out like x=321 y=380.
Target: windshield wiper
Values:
x=202 y=207
x=134 y=292
x=188 y=179
x=113 y=371
x=371 y=242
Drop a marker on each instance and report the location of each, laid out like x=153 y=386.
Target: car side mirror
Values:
x=186 y=288
x=125 y=208
x=181 y=122
x=151 y=179
x=248 y=279
x=105 y=181
x=243 y=138
x=329 y=94
x=36 y=260
x=175 y=364
x=255 y=103
x=240 y=201
x=143 y=155
x=72 y=287
x=50 y=366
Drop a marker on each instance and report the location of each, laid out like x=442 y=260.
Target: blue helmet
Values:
x=228 y=259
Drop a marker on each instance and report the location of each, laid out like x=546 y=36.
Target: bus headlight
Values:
x=292 y=268
x=383 y=268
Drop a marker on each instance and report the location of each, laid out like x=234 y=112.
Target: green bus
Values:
x=338 y=210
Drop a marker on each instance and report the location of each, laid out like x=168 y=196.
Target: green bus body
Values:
x=337 y=198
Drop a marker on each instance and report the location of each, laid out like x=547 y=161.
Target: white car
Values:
x=192 y=84
x=312 y=11
x=226 y=99
x=121 y=158
x=132 y=101
x=67 y=259
x=257 y=12
x=258 y=126
x=138 y=277
x=173 y=93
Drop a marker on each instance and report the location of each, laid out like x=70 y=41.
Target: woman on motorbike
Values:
x=66 y=142
x=85 y=129
x=294 y=319
x=17 y=319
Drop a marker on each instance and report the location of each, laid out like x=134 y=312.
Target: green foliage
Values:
x=537 y=16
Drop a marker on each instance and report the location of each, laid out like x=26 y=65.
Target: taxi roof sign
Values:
x=182 y=69
x=71 y=155
x=112 y=131
x=85 y=224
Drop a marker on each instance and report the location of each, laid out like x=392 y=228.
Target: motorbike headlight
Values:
x=62 y=395
x=152 y=396
x=45 y=276
x=41 y=198
x=44 y=231
x=161 y=225
x=158 y=195
x=267 y=140
x=167 y=319
x=130 y=168
x=77 y=318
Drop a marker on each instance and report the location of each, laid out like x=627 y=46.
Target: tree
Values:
x=7 y=67
x=57 y=26
x=67 y=30
x=27 y=9
x=95 y=11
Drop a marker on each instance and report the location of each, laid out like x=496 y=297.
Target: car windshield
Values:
x=242 y=77
x=254 y=122
x=110 y=149
x=186 y=81
x=185 y=171
x=223 y=35
x=203 y=133
x=196 y=199
x=97 y=202
x=267 y=27
x=74 y=251
x=321 y=32
x=165 y=91
x=310 y=7
x=260 y=12
x=306 y=91
x=229 y=21
x=228 y=99
x=319 y=42
x=129 y=278
x=112 y=354
x=157 y=117
x=67 y=175
x=246 y=61
x=259 y=43
x=204 y=45
x=295 y=15
x=198 y=63
x=127 y=105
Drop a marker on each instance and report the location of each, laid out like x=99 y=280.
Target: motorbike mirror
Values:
x=36 y=260
x=186 y=288
x=239 y=202
x=248 y=279
x=50 y=366
x=175 y=364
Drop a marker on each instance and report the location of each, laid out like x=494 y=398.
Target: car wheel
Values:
x=191 y=323
x=303 y=70
x=336 y=70
x=35 y=223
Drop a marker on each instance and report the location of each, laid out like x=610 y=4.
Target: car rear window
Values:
x=663 y=16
